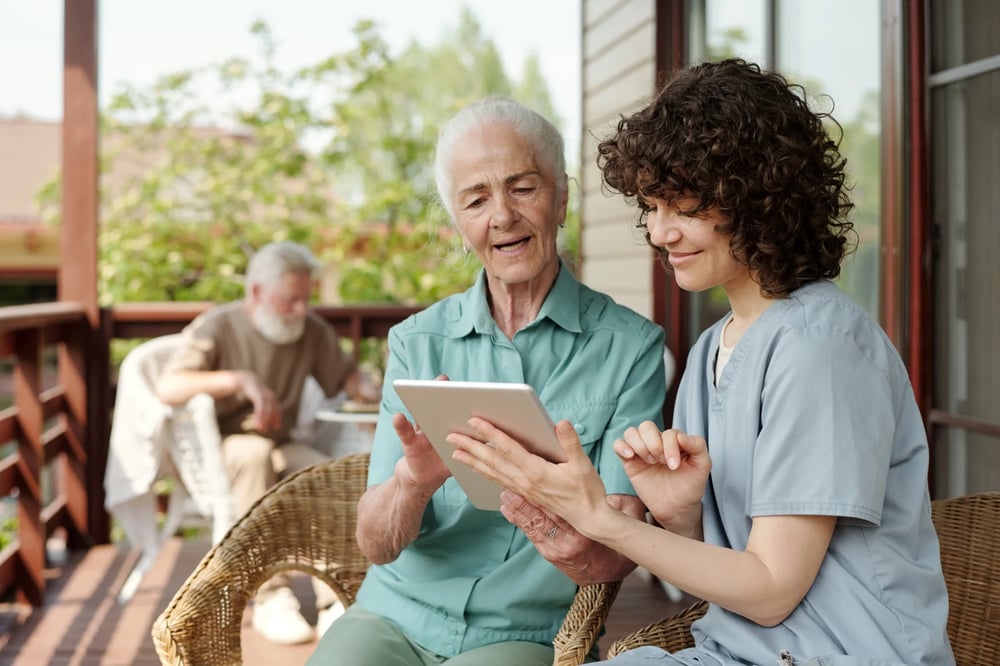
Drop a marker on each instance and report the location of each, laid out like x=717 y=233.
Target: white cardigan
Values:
x=150 y=440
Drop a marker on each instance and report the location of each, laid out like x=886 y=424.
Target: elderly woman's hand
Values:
x=555 y=539
x=420 y=467
x=402 y=498
x=557 y=505
x=582 y=560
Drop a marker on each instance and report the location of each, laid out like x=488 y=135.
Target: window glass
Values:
x=963 y=32
x=735 y=28
x=721 y=29
x=966 y=274
x=806 y=36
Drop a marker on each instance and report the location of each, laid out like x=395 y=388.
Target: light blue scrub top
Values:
x=815 y=415
x=471 y=578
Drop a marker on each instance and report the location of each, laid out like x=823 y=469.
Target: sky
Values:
x=141 y=39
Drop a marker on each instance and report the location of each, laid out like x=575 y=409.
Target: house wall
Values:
x=29 y=250
x=618 y=51
x=30 y=157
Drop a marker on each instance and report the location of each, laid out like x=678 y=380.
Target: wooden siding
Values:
x=619 y=238
x=619 y=71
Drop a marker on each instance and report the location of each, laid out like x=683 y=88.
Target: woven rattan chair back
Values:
x=307 y=523
x=968 y=528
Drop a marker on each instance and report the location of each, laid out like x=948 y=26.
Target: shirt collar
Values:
x=561 y=306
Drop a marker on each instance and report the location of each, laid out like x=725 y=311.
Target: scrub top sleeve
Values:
x=826 y=430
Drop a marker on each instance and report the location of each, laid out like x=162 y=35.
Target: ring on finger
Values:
x=552 y=533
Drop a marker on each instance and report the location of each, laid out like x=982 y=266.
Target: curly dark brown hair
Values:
x=745 y=142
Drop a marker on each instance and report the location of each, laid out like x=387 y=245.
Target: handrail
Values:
x=20 y=317
x=940 y=417
x=353 y=322
x=25 y=332
x=51 y=423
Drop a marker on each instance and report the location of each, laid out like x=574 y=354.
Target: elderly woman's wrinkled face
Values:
x=506 y=203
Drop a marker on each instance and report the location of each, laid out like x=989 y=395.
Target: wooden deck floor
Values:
x=83 y=625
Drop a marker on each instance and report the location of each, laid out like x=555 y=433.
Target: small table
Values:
x=338 y=416
x=354 y=430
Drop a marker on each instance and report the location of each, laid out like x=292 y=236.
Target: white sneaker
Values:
x=279 y=620
x=327 y=616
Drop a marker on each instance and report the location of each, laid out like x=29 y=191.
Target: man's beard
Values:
x=275 y=328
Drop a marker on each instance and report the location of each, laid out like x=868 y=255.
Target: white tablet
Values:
x=443 y=407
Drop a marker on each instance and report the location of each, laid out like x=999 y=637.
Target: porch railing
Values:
x=47 y=422
x=50 y=469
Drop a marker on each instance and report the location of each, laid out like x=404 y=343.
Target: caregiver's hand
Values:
x=572 y=489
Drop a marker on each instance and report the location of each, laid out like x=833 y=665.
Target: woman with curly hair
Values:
x=791 y=491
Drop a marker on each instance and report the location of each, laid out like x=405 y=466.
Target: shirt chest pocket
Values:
x=590 y=418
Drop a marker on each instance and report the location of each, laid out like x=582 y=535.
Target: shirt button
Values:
x=580 y=428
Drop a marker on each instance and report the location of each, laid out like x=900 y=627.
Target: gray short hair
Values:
x=275 y=260
x=550 y=148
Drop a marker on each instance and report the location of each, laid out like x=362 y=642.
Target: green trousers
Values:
x=360 y=638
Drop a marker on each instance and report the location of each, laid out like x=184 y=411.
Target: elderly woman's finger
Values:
x=404 y=429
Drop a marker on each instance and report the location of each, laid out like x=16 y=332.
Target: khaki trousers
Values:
x=254 y=464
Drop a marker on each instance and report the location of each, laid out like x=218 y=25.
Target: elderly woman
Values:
x=451 y=583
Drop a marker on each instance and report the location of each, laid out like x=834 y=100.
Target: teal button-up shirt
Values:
x=471 y=578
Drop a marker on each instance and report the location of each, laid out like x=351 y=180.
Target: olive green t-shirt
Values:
x=224 y=338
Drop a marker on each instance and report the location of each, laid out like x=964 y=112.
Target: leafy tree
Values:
x=206 y=165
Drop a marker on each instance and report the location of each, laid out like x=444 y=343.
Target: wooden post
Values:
x=73 y=472
x=671 y=304
x=78 y=253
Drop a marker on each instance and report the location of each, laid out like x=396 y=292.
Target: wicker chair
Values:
x=969 y=530
x=306 y=523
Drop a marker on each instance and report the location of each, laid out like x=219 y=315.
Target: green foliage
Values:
x=8 y=531
x=206 y=165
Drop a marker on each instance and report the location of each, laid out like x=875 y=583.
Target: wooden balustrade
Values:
x=49 y=416
x=47 y=433
x=352 y=322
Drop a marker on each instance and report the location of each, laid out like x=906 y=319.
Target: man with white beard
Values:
x=253 y=357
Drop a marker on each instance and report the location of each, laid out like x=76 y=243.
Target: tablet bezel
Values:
x=440 y=407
